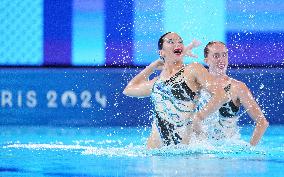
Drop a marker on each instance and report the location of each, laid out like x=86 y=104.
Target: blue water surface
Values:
x=120 y=151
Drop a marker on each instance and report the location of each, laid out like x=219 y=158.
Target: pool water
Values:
x=120 y=151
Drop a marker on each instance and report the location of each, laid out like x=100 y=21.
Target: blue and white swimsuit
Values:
x=223 y=123
x=173 y=102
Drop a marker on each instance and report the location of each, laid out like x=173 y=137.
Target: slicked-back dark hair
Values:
x=161 y=41
x=206 y=49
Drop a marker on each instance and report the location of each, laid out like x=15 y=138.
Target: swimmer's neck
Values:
x=217 y=72
x=172 y=67
x=218 y=75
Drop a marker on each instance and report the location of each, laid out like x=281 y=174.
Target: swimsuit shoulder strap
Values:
x=228 y=86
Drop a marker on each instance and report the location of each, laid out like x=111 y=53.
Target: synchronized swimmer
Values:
x=176 y=92
x=223 y=123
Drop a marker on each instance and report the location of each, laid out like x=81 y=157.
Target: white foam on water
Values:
x=46 y=146
x=195 y=148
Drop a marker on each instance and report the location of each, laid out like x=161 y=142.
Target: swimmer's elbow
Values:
x=264 y=123
x=126 y=91
x=136 y=92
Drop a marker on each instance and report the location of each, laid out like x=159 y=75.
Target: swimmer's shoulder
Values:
x=239 y=86
x=237 y=83
x=195 y=66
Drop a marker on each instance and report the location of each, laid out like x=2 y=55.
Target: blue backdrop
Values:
x=125 y=32
x=93 y=97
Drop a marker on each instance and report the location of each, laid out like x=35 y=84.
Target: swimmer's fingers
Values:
x=195 y=43
x=157 y=64
x=188 y=49
x=160 y=67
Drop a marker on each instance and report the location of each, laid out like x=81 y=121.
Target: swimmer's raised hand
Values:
x=188 y=49
x=157 y=64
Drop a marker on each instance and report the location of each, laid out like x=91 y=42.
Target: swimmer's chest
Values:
x=181 y=87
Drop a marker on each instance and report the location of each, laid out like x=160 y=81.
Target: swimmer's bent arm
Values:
x=254 y=112
x=206 y=81
x=140 y=85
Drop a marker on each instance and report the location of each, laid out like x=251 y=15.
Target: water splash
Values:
x=196 y=148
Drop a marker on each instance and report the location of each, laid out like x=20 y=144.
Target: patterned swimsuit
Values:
x=223 y=123
x=173 y=101
x=229 y=109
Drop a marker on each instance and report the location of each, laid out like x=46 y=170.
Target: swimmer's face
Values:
x=217 y=58
x=172 y=47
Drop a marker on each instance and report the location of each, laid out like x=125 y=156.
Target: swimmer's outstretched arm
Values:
x=254 y=112
x=140 y=85
x=206 y=81
x=188 y=49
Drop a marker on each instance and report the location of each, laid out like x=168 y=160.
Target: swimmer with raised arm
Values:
x=223 y=123
x=174 y=93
